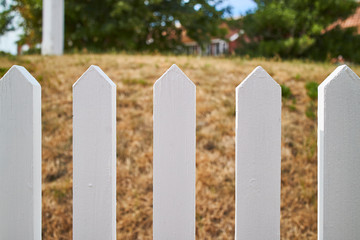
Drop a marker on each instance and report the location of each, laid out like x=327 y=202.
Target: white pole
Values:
x=53 y=27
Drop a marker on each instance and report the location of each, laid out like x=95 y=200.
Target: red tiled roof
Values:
x=352 y=21
x=185 y=38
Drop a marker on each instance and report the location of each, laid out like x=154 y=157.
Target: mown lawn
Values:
x=216 y=79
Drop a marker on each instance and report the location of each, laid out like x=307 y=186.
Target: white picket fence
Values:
x=258 y=156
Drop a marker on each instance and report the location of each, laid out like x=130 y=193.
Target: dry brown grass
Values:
x=216 y=79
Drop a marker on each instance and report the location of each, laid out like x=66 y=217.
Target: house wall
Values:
x=217 y=47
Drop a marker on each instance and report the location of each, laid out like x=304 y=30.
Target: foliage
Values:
x=31 y=12
x=105 y=25
x=234 y=23
x=289 y=28
x=3 y=71
x=344 y=42
x=311 y=110
x=312 y=90
x=287 y=95
x=286 y=91
x=6 y=17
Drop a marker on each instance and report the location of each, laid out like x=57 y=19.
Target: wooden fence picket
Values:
x=258 y=157
x=20 y=156
x=339 y=156
x=257 y=163
x=94 y=156
x=174 y=156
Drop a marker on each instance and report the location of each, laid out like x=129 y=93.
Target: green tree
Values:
x=31 y=12
x=289 y=28
x=100 y=25
x=6 y=17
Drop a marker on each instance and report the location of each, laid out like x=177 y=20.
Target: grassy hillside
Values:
x=216 y=79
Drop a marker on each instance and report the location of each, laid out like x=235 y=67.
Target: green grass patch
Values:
x=311 y=111
x=135 y=81
x=286 y=92
x=312 y=90
x=3 y=71
x=292 y=106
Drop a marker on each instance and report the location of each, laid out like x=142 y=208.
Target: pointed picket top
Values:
x=258 y=157
x=174 y=156
x=96 y=74
x=20 y=171
x=21 y=74
x=174 y=73
x=94 y=156
x=338 y=156
x=256 y=77
x=341 y=74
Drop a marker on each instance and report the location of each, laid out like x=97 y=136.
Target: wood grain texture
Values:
x=339 y=156
x=174 y=156
x=20 y=156
x=94 y=153
x=258 y=157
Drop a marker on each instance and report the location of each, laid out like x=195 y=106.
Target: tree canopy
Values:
x=6 y=17
x=101 y=25
x=291 y=27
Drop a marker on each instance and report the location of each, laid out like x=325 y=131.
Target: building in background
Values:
x=217 y=46
x=351 y=22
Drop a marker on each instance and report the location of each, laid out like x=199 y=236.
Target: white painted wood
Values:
x=94 y=156
x=258 y=157
x=20 y=156
x=339 y=156
x=174 y=157
x=53 y=27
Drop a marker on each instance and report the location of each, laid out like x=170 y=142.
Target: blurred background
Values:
x=217 y=44
x=318 y=30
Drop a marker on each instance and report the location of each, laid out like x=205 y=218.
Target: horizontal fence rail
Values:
x=257 y=158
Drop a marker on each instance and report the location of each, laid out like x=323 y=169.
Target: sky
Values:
x=7 y=42
x=240 y=6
